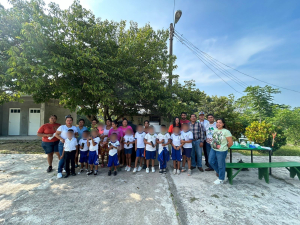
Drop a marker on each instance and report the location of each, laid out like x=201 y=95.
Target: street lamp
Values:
x=177 y=16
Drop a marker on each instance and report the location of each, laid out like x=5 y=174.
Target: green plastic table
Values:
x=233 y=147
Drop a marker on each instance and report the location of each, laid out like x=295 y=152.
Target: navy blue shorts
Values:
x=50 y=147
x=150 y=154
x=176 y=155
x=128 y=151
x=113 y=160
x=83 y=157
x=93 y=158
x=187 y=152
x=140 y=152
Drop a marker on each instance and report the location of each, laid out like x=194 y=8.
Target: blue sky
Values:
x=259 y=38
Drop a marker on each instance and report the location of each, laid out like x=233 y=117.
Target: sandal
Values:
x=183 y=169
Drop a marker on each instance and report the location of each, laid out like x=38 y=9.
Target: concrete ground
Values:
x=29 y=195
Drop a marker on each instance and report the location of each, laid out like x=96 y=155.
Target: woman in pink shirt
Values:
x=124 y=127
x=118 y=131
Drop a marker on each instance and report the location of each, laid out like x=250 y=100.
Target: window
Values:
x=15 y=111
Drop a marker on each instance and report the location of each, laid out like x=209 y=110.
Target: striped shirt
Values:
x=198 y=131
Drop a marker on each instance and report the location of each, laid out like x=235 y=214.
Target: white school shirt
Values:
x=64 y=130
x=128 y=138
x=164 y=137
x=150 y=138
x=140 y=139
x=176 y=138
x=114 y=151
x=70 y=145
x=210 y=128
x=187 y=136
x=105 y=132
x=94 y=148
x=85 y=147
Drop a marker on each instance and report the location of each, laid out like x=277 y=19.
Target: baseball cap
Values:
x=201 y=113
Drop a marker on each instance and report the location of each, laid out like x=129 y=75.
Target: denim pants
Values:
x=217 y=161
x=61 y=162
x=208 y=148
x=196 y=150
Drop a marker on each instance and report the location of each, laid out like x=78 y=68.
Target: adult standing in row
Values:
x=80 y=129
x=176 y=123
x=49 y=142
x=183 y=118
x=104 y=137
x=61 y=134
x=124 y=127
x=198 y=138
x=210 y=127
x=221 y=142
x=204 y=122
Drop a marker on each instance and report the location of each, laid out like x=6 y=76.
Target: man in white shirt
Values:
x=204 y=122
x=210 y=127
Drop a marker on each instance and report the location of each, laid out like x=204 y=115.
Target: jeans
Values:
x=61 y=162
x=196 y=150
x=208 y=148
x=217 y=161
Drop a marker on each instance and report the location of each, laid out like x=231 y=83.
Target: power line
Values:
x=207 y=65
x=234 y=68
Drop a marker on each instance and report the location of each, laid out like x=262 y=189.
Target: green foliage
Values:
x=289 y=119
x=261 y=133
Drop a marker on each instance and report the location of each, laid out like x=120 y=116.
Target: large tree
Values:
x=86 y=62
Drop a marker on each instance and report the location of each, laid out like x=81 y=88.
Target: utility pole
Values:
x=171 y=53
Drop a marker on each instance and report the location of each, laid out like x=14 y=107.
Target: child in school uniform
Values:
x=163 y=139
x=113 y=147
x=176 y=149
x=93 y=144
x=84 y=151
x=70 y=151
x=128 y=141
x=139 y=147
x=150 y=142
x=186 y=141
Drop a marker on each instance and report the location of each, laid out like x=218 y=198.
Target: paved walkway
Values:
x=29 y=195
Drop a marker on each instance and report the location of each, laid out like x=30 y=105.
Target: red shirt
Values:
x=184 y=121
x=49 y=128
x=171 y=129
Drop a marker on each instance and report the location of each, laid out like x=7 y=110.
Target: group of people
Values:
x=183 y=142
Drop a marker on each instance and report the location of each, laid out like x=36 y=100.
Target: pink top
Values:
x=125 y=128
x=118 y=131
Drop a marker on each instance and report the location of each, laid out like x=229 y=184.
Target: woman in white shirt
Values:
x=61 y=134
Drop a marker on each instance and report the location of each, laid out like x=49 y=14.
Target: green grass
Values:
x=287 y=150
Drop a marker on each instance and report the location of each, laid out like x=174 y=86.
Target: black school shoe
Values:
x=109 y=173
x=67 y=175
x=90 y=172
x=95 y=172
x=160 y=171
x=73 y=174
x=49 y=169
x=115 y=173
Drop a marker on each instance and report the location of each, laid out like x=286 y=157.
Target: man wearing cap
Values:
x=198 y=138
x=204 y=123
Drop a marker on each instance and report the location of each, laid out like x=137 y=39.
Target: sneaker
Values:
x=139 y=169
x=115 y=173
x=134 y=170
x=153 y=169
x=59 y=175
x=80 y=171
x=64 y=171
x=90 y=172
x=164 y=171
x=95 y=172
x=189 y=172
x=209 y=169
x=174 y=171
x=160 y=171
x=183 y=169
x=49 y=169
x=178 y=172
x=219 y=181
x=128 y=169
x=109 y=173
x=147 y=170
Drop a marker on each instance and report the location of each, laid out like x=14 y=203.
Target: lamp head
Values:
x=177 y=15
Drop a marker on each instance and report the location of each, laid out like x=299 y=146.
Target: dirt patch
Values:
x=21 y=147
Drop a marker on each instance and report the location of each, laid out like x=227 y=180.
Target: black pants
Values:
x=205 y=152
x=70 y=157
